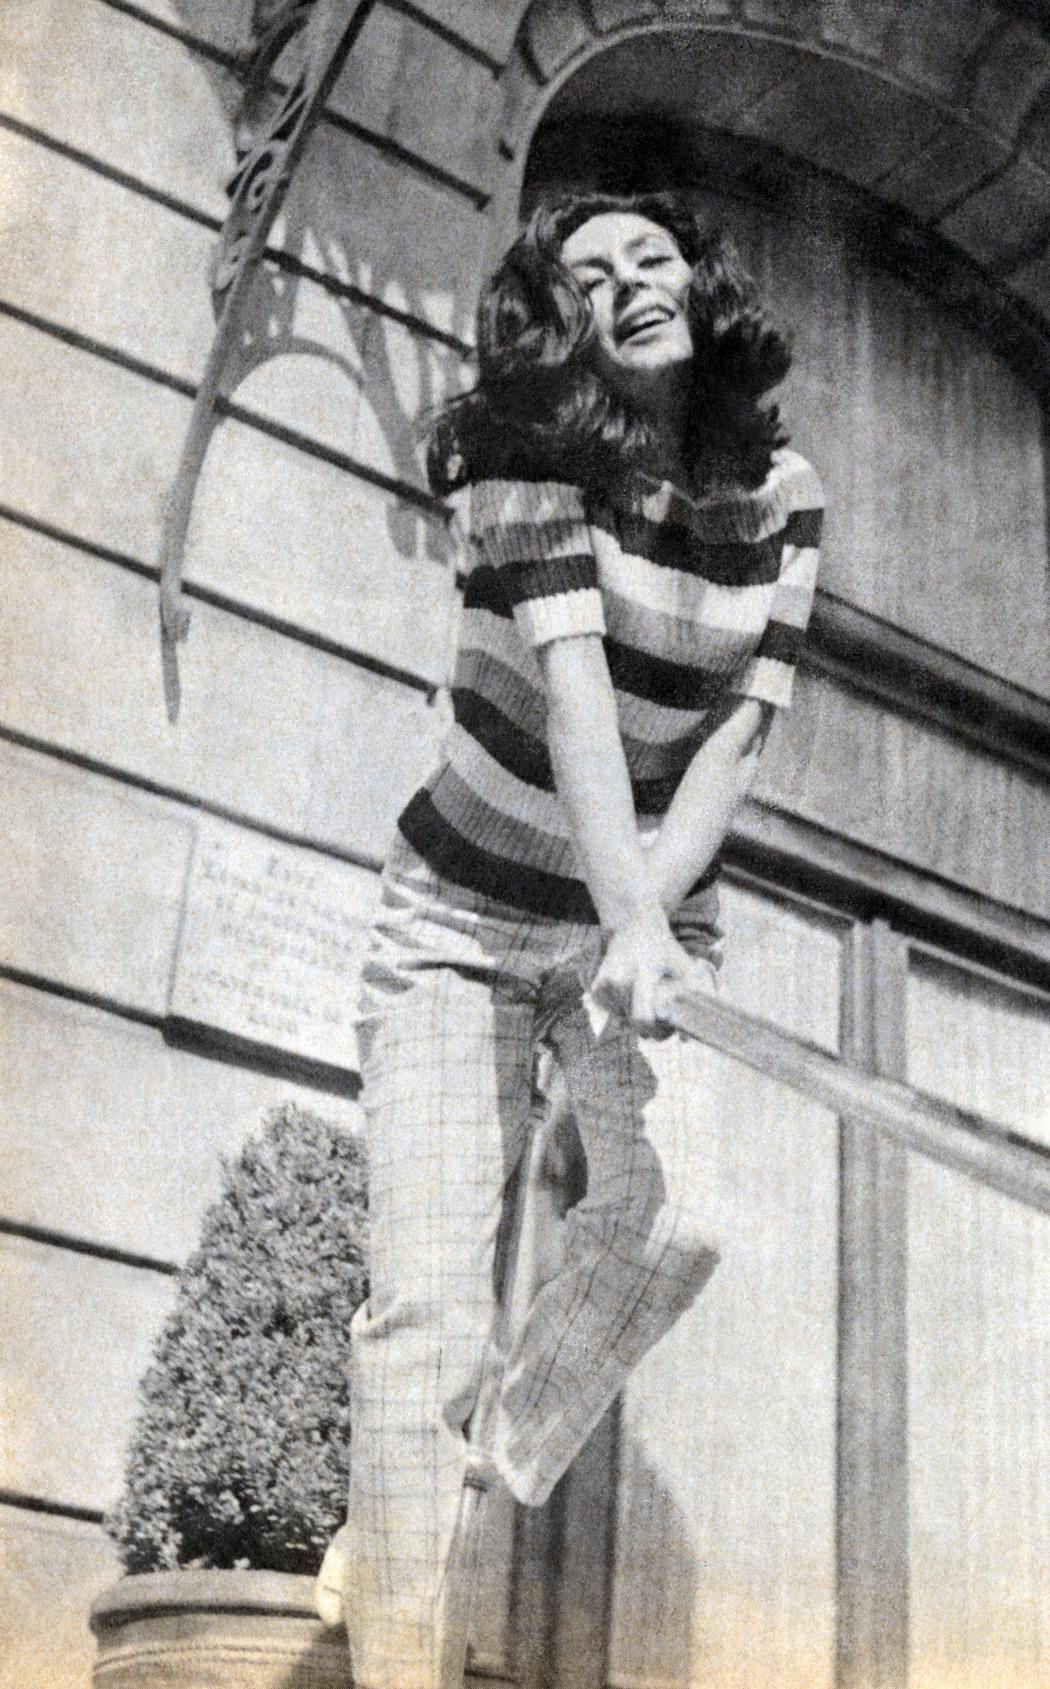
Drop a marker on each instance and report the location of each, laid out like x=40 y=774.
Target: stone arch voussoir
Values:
x=941 y=111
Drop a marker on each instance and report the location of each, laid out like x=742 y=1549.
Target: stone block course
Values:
x=91 y=888
x=269 y=728
x=323 y=551
x=272 y=528
x=554 y=31
x=618 y=14
x=801 y=18
x=350 y=208
x=226 y=24
x=1002 y=218
x=934 y=45
x=1012 y=71
x=410 y=84
x=51 y=1569
x=732 y=73
x=609 y=15
x=841 y=118
x=701 y=11
x=70 y=1381
x=115 y=1136
x=491 y=27
x=958 y=159
x=865 y=28
x=126 y=93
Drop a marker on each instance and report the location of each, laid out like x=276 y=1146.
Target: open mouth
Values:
x=641 y=322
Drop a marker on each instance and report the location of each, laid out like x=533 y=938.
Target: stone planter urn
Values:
x=216 y=1630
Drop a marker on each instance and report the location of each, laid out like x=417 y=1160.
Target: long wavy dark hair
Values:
x=539 y=411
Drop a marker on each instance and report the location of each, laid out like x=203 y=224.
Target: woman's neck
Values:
x=666 y=410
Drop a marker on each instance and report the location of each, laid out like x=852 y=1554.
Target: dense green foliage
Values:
x=240 y=1455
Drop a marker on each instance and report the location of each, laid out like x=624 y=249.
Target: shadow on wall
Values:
x=374 y=381
x=656 y=1578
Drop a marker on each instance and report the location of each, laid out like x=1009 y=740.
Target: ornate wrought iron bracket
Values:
x=257 y=189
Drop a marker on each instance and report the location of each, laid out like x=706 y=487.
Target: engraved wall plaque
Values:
x=270 y=944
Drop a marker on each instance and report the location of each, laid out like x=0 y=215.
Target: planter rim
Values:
x=283 y=1593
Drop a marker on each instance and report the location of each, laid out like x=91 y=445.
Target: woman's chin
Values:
x=649 y=373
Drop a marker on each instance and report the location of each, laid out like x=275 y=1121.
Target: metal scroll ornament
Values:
x=257 y=190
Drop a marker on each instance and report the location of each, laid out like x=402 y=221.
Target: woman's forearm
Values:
x=717 y=780
x=590 y=773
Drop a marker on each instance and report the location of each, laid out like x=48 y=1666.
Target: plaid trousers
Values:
x=455 y=991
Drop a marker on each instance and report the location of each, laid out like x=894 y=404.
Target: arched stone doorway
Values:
x=941 y=113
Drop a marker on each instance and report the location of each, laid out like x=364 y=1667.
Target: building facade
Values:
x=836 y=1470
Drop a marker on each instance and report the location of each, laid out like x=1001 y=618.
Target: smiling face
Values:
x=637 y=283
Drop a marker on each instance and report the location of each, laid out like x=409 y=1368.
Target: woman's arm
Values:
x=643 y=960
x=716 y=781
x=590 y=773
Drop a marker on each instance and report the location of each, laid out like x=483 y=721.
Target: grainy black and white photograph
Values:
x=525 y=918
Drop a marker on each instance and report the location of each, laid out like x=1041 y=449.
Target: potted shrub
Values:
x=237 y=1471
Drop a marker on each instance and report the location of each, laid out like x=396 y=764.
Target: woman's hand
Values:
x=644 y=970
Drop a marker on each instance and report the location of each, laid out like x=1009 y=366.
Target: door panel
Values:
x=724 y=1567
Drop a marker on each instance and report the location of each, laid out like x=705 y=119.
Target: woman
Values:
x=643 y=565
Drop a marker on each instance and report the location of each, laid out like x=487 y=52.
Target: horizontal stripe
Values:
x=485 y=636
x=658 y=761
x=660 y=681
x=549 y=577
x=653 y=797
x=746 y=514
x=799 y=568
x=792 y=605
x=654 y=724
x=527 y=758
x=485 y=590
x=672 y=593
x=507 y=543
x=804 y=527
x=480 y=870
x=516 y=520
x=767 y=680
x=782 y=642
x=565 y=617
x=736 y=563
x=505 y=500
x=694 y=645
x=699 y=601
x=517 y=696
x=479 y=783
x=511 y=797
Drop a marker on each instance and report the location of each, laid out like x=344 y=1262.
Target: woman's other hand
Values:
x=644 y=970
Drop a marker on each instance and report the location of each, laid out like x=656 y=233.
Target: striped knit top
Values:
x=697 y=599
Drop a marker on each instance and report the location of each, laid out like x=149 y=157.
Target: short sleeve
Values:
x=769 y=675
x=535 y=536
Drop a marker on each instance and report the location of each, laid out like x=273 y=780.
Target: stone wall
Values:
x=319 y=572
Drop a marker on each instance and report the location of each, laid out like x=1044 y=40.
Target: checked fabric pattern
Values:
x=455 y=991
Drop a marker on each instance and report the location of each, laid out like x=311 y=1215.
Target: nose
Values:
x=627 y=279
